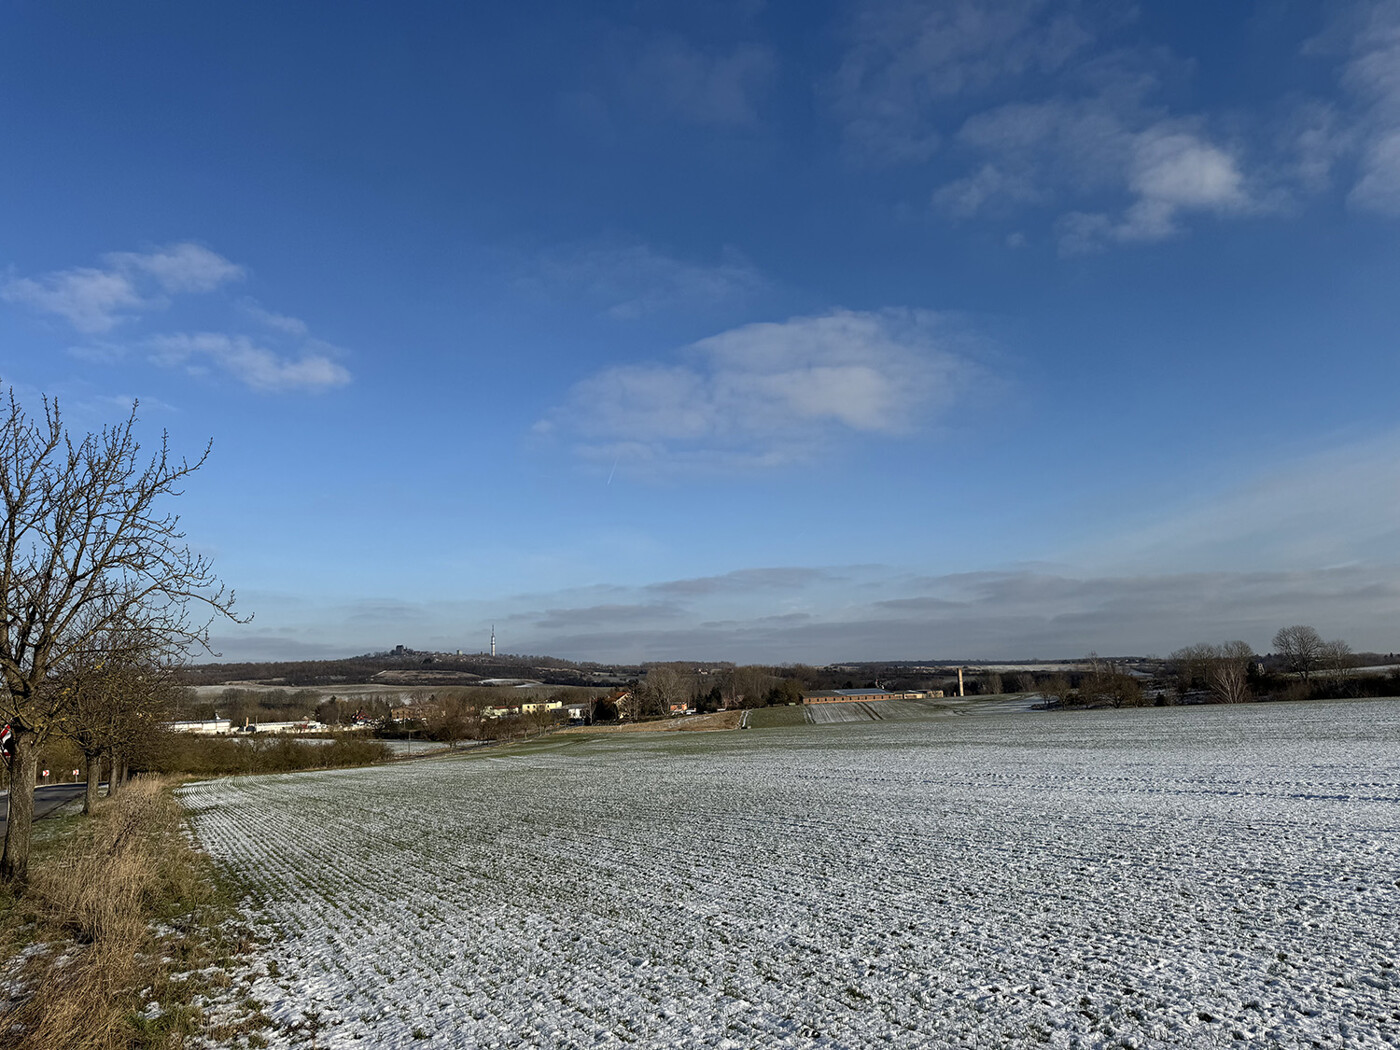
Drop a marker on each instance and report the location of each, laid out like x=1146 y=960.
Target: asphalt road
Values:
x=46 y=800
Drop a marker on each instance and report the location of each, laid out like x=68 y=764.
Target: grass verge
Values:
x=122 y=934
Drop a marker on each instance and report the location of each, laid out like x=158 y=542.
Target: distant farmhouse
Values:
x=865 y=696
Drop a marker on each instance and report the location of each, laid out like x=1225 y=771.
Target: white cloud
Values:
x=1179 y=170
x=722 y=89
x=278 y=322
x=90 y=300
x=1054 y=115
x=1171 y=172
x=1107 y=147
x=766 y=394
x=255 y=366
x=1081 y=132
x=179 y=267
x=133 y=284
x=630 y=281
x=97 y=300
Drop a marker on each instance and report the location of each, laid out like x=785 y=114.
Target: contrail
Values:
x=612 y=472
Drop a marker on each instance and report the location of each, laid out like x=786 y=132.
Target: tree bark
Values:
x=94 y=777
x=24 y=765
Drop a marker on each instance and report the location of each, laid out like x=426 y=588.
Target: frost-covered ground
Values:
x=1182 y=877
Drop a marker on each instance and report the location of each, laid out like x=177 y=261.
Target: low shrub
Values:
x=214 y=756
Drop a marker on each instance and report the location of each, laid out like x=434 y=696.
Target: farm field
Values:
x=1184 y=877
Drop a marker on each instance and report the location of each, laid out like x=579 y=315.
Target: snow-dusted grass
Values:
x=1180 y=877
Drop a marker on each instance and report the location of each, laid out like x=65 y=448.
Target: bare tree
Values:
x=1334 y=659
x=96 y=685
x=745 y=686
x=1229 y=672
x=134 y=730
x=1191 y=666
x=1300 y=646
x=665 y=686
x=1222 y=669
x=1056 y=688
x=1107 y=683
x=631 y=703
x=85 y=541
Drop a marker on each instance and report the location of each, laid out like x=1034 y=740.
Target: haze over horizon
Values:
x=763 y=331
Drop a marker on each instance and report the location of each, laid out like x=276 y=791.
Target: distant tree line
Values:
x=1302 y=666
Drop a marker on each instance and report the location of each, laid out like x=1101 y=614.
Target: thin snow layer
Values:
x=1179 y=877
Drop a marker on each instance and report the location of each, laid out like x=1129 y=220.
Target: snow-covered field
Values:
x=1183 y=877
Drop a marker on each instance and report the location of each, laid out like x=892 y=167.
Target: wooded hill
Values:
x=409 y=668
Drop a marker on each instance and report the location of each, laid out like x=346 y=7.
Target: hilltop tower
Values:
x=493 y=639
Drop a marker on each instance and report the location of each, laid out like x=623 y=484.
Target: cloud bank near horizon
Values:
x=1309 y=540
x=859 y=614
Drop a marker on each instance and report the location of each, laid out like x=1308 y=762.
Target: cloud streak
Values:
x=1372 y=73
x=252 y=365
x=634 y=281
x=907 y=59
x=1335 y=507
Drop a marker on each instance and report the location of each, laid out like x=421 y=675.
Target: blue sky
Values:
x=754 y=331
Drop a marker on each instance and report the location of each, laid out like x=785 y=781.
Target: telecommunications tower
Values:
x=493 y=639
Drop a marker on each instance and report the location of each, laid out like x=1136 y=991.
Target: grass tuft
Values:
x=121 y=931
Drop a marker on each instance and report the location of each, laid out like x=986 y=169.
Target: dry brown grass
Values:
x=122 y=912
x=689 y=723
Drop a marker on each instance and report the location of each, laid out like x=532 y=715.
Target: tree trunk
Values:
x=114 y=779
x=24 y=765
x=94 y=777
